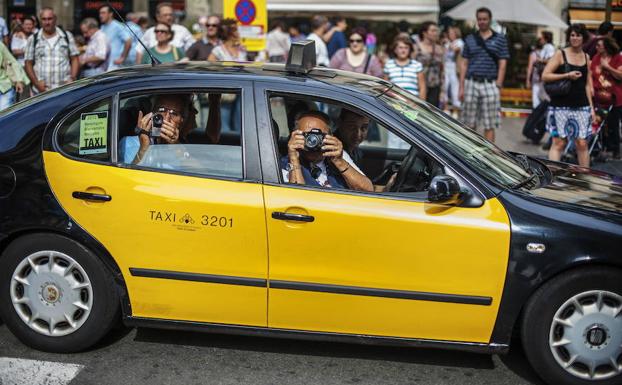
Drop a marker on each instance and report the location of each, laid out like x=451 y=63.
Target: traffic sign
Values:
x=252 y=18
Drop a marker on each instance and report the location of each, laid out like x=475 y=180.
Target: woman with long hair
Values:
x=231 y=48
x=431 y=55
x=355 y=57
x=570 y=115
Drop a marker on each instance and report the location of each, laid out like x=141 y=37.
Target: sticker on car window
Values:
x=93 y=133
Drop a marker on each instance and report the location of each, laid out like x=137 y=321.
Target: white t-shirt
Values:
x=322 y=179
x=547 y=52
x=321 y=51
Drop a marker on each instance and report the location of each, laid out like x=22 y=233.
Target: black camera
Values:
x=314 y=140
x=156 y=125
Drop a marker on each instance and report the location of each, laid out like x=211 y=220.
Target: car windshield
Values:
x=483 y=156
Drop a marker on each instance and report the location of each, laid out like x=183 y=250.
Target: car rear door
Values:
x=191 y=247
x=367 y=263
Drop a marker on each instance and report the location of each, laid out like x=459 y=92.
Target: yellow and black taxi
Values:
x=458 y=244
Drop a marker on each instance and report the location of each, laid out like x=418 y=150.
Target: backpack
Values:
x=36 y=40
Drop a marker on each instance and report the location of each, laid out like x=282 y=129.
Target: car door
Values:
x=376 y=264
x=191 y=243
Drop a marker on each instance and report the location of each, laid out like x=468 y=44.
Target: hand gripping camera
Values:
x=314 y=140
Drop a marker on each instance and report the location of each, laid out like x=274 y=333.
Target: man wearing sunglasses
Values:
x=202 y=48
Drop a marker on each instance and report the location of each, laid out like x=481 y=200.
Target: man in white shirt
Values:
x=94 y=60
x=325 y=166
x=182 y=38
x=318 y=25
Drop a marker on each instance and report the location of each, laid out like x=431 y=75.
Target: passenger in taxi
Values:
x=316 y=158
x=178 y=118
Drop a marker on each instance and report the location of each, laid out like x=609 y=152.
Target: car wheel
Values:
x=55 y=295
x=572 y=328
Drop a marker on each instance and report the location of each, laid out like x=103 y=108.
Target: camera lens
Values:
x=157 y=120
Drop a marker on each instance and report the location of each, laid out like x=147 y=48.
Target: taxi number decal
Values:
x=215 y=221
x=93 y=133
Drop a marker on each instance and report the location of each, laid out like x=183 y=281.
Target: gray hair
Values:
x=90 y=23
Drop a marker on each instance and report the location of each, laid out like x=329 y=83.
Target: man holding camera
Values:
x=316 y=158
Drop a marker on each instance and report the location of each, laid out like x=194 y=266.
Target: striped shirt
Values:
x=406 y=76
x=481 y=64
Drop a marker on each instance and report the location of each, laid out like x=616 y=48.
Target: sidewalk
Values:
x=510 y=138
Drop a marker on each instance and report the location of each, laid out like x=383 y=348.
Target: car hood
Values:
x=581 y=187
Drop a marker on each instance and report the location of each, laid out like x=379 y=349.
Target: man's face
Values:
x=354 y=129
x=105 y=15
x=211 y=26
x=166 y=15
x=171 y=109
x=342 y=25
x=483 y=21
x=48 y=21
x=85 y=31
x=306 y=124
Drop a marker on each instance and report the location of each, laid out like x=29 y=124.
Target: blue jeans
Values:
x=7 y=98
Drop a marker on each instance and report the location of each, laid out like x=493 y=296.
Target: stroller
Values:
x=595 y=140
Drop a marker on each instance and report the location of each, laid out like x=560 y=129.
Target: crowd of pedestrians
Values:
x=462 y=76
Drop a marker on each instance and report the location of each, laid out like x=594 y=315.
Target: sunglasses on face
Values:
x=212 y=25
x=173 y=113
x=356 y=40
x=161 y=31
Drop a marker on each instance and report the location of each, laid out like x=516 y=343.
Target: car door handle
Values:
x=91 y=197
x=292 y=217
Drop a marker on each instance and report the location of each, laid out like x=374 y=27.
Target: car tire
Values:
x=570 y=327
x=55 y=294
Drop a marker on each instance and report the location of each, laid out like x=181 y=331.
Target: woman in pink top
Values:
x=355 y=57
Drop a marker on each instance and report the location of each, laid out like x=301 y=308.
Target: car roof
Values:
x=362 y=83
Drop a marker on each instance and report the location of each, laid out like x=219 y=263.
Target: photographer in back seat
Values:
x=314 y=157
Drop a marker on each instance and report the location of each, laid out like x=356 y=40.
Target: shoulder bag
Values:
x=559 y=87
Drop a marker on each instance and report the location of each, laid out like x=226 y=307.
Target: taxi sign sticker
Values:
x=93 y=133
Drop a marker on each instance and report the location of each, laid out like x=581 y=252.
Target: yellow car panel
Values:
x=165 y=222
x=385 y=245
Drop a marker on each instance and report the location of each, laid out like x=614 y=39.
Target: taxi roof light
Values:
x=301 y=58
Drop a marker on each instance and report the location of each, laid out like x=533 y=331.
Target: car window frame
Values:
x=251 y=169
x=264 y=91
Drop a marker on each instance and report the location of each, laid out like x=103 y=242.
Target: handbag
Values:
x=559 y=87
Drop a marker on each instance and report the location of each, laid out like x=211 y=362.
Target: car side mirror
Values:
x=444 y=189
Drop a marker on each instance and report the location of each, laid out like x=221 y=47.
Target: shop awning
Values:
x=524 y=11
x=593 y=17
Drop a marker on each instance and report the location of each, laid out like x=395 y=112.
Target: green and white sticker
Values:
x=93 y=133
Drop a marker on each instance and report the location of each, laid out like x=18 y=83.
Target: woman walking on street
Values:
x=164 y=51
x=570 y=114
x=431 y=54
x=231 y=49
x=404 y=71
x=355 y=56
x=607 y=79
x=12 y=78
x=453 y=50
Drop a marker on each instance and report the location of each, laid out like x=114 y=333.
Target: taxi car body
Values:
x=473 y=246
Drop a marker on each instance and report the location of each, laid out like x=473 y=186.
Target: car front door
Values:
x=190 y=242
x=376 y=264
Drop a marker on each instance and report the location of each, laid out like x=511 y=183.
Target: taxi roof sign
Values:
x=301 y=57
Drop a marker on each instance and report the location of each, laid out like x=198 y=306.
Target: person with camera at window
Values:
x=316 y=158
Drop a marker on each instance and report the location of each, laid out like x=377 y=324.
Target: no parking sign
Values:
x=252 y=18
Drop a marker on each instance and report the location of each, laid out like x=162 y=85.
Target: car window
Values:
x=84 y=134
x=374 y=150
x=189 y=132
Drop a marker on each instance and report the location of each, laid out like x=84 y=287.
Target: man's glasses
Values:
x=171 y=112
x=356 y=40
x=161 y=31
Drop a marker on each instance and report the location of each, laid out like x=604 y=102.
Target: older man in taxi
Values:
x=316 y=158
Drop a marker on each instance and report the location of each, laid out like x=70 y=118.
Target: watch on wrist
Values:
x=290 y=167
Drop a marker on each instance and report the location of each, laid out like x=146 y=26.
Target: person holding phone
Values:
x=570 y=116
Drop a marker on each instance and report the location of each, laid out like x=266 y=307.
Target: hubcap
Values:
x=586 y=335
x=51 y=293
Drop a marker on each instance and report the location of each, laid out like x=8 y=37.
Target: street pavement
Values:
x=151 y=357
